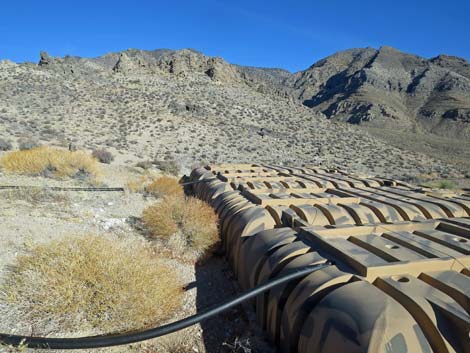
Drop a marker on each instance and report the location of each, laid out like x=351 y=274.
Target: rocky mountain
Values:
x=186 y=106
x=380 y=88
x=386 y=87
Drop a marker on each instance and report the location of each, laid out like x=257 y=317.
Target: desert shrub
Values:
x=446 y=184
x=103 y=155
x=144 y=164
x=164 y=218
x=168 y=167
x=27 y=143
x=92 y=283
x=188 y=225
x=5 y=145
x=50 y=161
x=165 y=186
x=440 y=184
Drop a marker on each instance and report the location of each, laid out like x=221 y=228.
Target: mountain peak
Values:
x=380 y=87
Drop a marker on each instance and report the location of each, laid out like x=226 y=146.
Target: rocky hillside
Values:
x=386 y=87
x=186 y=106
x=383 y=87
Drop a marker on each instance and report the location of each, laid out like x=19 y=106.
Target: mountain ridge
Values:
x=377 y=87
x=186 y=106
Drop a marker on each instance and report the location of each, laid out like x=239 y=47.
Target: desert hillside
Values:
x=411 y=113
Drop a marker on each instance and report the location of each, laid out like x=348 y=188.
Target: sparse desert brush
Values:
x=168 y=167
x=5 y=145
x=446 y=184
x=144 y=165
x=441 y=184
x=188 y=225
x=50 y=161
x=165 y=186
x=25 y=143
x=92 y=284
x=103 y=155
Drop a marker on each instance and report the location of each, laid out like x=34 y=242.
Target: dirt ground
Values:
x=38 y=215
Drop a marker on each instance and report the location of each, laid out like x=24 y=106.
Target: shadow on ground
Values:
x=235 y=330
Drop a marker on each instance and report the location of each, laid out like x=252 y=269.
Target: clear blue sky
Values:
x=287 y=34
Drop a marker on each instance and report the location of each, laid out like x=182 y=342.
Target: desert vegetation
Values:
x=50 y=161
x=103 y=155
x=173 y=122
x=165 y=186
x=5 y=145
x=96 y=283
x=25 y=143
x=145 y=242
x=74 y=263
x=188 y=225
x=168 y=167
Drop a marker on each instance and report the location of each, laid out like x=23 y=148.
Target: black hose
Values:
x=74 y=188
x=131 y=337
x=61 y=188
x=197 y=181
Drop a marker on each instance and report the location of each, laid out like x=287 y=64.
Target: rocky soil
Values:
x=39 y=215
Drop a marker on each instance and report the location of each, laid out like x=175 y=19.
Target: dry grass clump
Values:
x=50 y=161
x=165 y=186
x=188 y=224
x=91 y=283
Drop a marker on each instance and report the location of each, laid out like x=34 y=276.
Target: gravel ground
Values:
x=28 y=217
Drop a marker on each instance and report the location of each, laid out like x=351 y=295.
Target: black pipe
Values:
x=61 y=188
x=198 y=181
x=131 y=337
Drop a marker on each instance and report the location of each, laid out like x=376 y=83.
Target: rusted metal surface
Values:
x=401 y=253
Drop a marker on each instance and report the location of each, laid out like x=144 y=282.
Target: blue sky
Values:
x=286 y=34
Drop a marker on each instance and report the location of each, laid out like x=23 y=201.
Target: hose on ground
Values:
x=62 y=188
x=197 y=181
x=132 y=337
x=89 y=188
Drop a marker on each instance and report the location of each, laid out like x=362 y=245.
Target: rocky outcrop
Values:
x=380 y=87
x=44 y=59
x=386 y=87
x=130 y=65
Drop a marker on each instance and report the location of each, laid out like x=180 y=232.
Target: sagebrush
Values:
x=5 y=145
x=103 y=155
x=168 y=167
